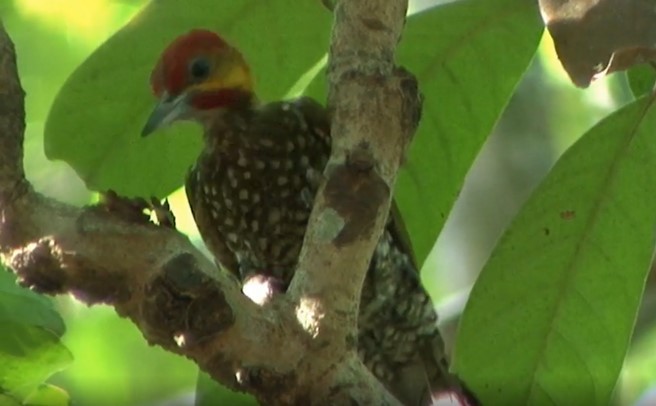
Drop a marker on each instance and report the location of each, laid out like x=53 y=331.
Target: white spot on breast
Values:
x=215 y=214
x=259 y=164
x=289 y=164
x=255 y=226
x=305 y=161
x=290 y=146
x=232 y=237
x=263 y=243
x=300 y=140
x=282 y=180
x=266 y=142
x=242 y=161
x=275 y=164
x=228 y=221
x=284 y=193
x=256 y=198
x=247 y=175
x=243 y=194
x=274 y=216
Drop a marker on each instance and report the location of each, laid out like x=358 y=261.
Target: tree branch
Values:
x=376 y=109
x=155 y=277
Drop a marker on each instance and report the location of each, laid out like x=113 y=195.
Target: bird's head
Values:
x=197 y=73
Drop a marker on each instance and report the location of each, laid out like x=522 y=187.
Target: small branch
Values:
x=376 y=109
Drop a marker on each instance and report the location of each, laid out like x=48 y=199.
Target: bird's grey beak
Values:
x=168 y=110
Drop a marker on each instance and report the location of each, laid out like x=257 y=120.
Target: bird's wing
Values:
x=216 y=245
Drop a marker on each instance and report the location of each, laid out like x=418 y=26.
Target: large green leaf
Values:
x=468 y=57
x=641 y=79
x=96 y=118
x=28 y=356
x=48 y=395
x=550 y=317
x=23 y=306
x=30 y=350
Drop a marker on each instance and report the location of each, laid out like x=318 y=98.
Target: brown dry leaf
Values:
x=597 y=37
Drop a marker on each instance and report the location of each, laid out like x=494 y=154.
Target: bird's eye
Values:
x=199 y=68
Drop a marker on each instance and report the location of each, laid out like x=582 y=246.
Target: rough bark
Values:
x=298 y=348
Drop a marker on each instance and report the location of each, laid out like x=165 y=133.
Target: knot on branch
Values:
x=356 y=192
x=44 y=267
x=37 y=267
x=277 y=388
x=184 y=305
x=413 y=100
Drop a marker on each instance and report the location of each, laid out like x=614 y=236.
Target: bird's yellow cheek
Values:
x=236 y=78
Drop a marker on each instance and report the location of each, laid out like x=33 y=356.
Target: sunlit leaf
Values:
x=23 y=306
x=642 y=79
x=48 y=395
x=97 y=117
x=30 y=350
x=467 y=72
x=550 y=317
x=28 y=356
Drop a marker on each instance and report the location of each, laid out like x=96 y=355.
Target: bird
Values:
x=251 y=192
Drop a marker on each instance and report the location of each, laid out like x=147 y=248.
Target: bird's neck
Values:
x=209 y=108
x=220 y=121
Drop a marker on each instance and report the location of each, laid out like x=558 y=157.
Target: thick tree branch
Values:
x=154 y=276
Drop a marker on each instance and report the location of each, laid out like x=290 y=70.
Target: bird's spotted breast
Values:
x=255 y=187
x=251 y=193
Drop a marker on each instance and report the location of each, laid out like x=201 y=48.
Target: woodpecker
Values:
x=251 y=191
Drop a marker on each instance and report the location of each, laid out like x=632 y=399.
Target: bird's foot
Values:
x=461 y=397
x=138 y=209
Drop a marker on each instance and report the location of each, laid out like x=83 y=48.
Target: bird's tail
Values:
x=443 y=387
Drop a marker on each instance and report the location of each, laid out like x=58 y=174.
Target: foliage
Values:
x=562 y=288
x=562 y=261
x=30 y=347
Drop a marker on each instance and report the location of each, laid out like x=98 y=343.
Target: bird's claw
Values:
x=137 y=209
x=162 y=211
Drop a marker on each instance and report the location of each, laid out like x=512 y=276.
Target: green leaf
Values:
x=23 y=306
x=28 y=356
x=210 y=393
x=6 y=400
x=550 y=317
x=468 y=56
x=96 y=119
x=641 y=79
x=48 y=395
x=30 y=350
